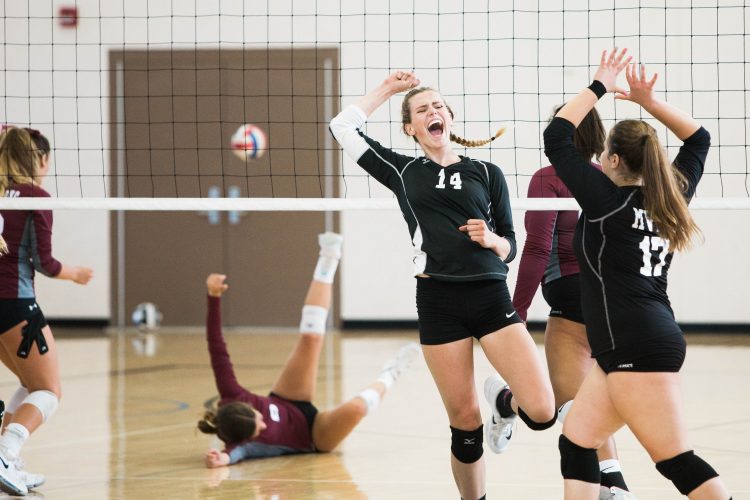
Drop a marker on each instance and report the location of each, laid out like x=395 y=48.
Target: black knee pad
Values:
x=687 y=471
x=466 y=446
x=536 y=426
x=578 y=463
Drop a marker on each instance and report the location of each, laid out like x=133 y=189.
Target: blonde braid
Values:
x=475 y=144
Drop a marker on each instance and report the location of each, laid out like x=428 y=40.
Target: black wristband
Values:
x=598 y=88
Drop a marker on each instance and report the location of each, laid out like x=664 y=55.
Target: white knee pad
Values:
x=45 y=401
x=17 y=399
x=313 y=320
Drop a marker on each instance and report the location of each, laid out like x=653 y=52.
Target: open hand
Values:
x=610 y=66
x=641 y=88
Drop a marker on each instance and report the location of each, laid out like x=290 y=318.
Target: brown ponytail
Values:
x=232 y=423
x=475 y=144
x=664 y=187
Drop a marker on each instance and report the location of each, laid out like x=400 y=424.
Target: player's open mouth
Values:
x=435 y=128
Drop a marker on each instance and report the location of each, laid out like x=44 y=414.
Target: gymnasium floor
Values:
x=126 y=425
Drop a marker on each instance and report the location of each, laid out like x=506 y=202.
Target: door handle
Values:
x=214 y=216
x=234 y=215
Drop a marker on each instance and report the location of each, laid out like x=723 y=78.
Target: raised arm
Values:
x=226 y=380
x=382 y=163
x=609 y=67
x=593 y=190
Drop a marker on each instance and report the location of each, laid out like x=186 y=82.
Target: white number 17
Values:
x=653 y=246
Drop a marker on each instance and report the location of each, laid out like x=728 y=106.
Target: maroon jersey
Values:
x=548 y=252
x=28 y=234
x=287 y=429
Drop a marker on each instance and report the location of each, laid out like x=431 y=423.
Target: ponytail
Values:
x=206 y=425
x=664 y=187
x=664 y=190
x=232 y=423
x=475 y=144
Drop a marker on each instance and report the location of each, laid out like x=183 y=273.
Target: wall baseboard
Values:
x=741 y=328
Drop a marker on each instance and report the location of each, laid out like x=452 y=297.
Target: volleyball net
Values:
x=141 y=99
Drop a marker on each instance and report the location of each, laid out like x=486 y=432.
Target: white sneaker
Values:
x=10 y=480
x=330 y=244
x=499 y=430
x=32 y=480
x=401 y=361
x=615 y=493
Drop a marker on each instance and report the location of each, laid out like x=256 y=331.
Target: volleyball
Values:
x=249 y=142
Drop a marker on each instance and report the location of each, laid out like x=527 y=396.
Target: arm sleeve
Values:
x=595 y=193
x=540 y=226
x=41 y=244
x=226 y=381
x=692 y=158
x=501 y=210
x=380 y=162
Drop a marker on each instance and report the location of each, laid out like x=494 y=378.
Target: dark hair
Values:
x=664 y=187
x=41 y=142
x=232 y=423
x=406 y=119
x=590 y=135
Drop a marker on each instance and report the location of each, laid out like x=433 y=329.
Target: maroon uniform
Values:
x=548 y=252
x=28 y=234
x=287 y=428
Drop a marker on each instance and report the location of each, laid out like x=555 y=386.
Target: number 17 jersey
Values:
x=624 y=261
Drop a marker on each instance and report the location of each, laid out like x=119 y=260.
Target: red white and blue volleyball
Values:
x=249 y=142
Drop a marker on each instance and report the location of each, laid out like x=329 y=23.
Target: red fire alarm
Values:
x=68 y=16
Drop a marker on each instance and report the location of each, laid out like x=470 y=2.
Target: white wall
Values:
x=498 y=62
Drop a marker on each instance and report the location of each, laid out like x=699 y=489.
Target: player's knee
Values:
x=578 y=463
x=45 y=401
x=17 y=399
x=546 y=419
x=314 y=319
x=466 y=446
x=687 y=471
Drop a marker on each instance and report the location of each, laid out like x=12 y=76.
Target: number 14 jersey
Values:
x=435 y=201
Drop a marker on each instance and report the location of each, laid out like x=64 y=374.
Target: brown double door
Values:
x=173 y=115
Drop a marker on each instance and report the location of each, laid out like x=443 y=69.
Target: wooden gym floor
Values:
x=126 y=424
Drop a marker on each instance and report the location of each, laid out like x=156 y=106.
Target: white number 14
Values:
x=455 y=180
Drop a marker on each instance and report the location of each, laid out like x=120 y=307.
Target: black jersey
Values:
x=436 y=201
x=623 y=260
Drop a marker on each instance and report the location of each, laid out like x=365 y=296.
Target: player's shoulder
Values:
x=27 y=190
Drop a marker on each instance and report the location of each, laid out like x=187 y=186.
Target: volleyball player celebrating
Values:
x=285 y=421
x=634 y=216
x=548 y=258
x=458 y=214
x=27 y=346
